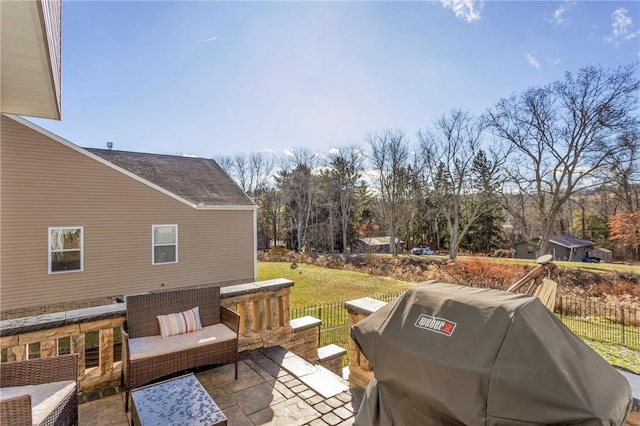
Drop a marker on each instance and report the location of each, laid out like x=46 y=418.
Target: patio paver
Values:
x=262 y=395
x=292 y=412
x=259 y=396
x=107 y=411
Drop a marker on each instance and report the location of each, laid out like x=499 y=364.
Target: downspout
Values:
x=255 y=244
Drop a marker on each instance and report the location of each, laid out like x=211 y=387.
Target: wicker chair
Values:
x=142 y=312
x=18 y=410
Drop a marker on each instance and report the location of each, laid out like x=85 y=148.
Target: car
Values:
x=591 y=259
x=422 y=251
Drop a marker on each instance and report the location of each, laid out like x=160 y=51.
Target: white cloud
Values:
x=621 y=26
x=289 y=153
x=533 y=61
x=464 y=9
x=621 y=22
x=208 y=39
x=558 y=14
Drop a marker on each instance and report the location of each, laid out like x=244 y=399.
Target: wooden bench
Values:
x=146 y=356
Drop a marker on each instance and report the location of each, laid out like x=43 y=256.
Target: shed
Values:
x=562 y=247
x=603 y=254
x=374 y=245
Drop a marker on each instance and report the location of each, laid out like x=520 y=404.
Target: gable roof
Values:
x=570 y=242
x=377 y=241
x=200 y=181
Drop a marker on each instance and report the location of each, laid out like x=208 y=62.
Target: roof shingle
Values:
x=198 y=180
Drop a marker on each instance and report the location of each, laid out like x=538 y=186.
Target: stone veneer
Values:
x=360 y=370
x=305 y=337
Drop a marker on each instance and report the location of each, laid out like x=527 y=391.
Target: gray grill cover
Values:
x=451 y=355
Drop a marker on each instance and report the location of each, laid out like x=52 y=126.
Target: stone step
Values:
x=329 y=352
x=318 y=378
x=330 y=357
x=304 y=323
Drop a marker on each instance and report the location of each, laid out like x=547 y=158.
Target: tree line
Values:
x=561 y=158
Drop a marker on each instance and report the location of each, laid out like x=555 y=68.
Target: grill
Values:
x=452 y=355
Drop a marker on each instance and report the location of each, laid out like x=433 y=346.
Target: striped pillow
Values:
x=180 y=323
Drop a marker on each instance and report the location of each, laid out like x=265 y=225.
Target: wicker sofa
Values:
x=41 y=391
x=147 y=356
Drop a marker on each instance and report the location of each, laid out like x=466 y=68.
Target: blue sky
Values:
x=219 y=78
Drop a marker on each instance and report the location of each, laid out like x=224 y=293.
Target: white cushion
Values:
x=44 y=398
x=145 y=347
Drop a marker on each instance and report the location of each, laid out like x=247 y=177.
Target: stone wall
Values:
x=360 y=370
x=264 y=322
x=305 y=338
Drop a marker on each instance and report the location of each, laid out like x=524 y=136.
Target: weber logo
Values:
x=439 y=325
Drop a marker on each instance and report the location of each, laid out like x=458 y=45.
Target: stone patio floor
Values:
x=274 y=387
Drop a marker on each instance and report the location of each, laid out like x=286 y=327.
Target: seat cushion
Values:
x=150 y=346
x=44 y=398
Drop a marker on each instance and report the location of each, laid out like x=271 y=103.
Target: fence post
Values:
x=321 y=319
x=623 y=323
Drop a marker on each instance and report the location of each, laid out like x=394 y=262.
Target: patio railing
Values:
x=335 y=320
x=93 y=333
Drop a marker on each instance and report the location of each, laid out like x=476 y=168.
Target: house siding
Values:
x=525 y=250
x=44 y=183
x=52 y=20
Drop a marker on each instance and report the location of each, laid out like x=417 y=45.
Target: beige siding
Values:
x=52 y=18
x=44 y=183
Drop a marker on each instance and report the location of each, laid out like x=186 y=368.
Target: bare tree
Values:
x=390 y=159
x=325 y=217
x=226 y=163
x=462 y=175
x=253 y=171
x=271 y=212
x=565 y=135
x=346 y=167
x=625 y=172
x=297 y=181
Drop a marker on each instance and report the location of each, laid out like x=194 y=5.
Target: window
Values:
x=165 y=244
x=66 y=248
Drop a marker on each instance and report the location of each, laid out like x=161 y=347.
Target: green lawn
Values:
x=315 y=285
x=617 y=355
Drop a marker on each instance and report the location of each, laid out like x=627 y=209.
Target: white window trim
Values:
x=51 y=228
x=153 y=245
